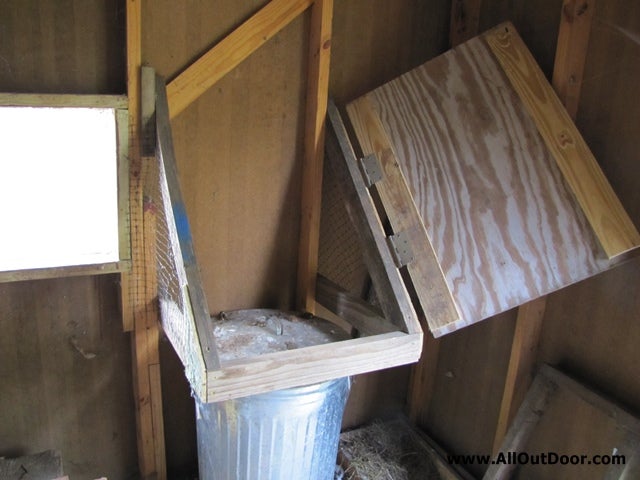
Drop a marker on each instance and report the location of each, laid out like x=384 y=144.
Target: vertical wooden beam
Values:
x=139 y=287
x=521 y=363
x=316 y=111
x=571 y=51
x=465 y=20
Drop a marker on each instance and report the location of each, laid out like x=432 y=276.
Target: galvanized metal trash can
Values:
x=289 y=434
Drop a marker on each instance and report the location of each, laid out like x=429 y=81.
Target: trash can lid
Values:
x=247 y=333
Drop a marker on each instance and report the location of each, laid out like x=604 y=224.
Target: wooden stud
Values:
x=521 y=363
x=316 y=112
x=139 y=288
x=423 y=380
x=465 y=19
x=606 y=215
x=231 y=51
x=571 y=51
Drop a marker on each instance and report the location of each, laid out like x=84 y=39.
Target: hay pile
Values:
x=385 y=451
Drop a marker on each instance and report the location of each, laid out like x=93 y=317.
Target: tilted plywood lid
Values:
x=514 y=206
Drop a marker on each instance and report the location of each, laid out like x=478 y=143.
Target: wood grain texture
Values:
x=504 y=225
x=310 y=365
x=613 y=227
x=426 y=274
x=316 y=113
x=226 y=55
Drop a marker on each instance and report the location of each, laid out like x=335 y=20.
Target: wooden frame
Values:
x=214 y=380
x=547 y=385
x=119 y=104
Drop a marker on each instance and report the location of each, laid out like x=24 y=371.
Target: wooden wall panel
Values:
x=469 y=381
x=239 y=152
x=65 y=365
x=65 y=378
x=62 y=46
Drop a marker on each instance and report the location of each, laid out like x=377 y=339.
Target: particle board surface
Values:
x=503 y=221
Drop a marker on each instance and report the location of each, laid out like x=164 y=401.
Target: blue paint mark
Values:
x=184 y=232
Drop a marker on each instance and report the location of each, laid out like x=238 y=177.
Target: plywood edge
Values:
x=426 y=274
x=231 y=51
x=614 y=229
x=117 y=102
x=309 y=365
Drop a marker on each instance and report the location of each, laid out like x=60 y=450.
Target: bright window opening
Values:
x=58 y=187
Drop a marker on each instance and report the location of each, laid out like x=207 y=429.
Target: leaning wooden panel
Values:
x=503 y=221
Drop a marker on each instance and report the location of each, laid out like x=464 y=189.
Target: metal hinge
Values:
x=371 y=169
x=401 y=249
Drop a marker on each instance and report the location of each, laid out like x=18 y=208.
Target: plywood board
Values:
x=504 y=223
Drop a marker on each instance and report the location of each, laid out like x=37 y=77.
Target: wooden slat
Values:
x=63 y=100
x=427 y=276
x=317 y=97
x=465 y=19
x=310 y=365
x=392 y=294
x=196 y=292
x=360 y=314
x=571 y=51
x=606 y=215
x=69 y=271
x=521 y=363
x=231 y=51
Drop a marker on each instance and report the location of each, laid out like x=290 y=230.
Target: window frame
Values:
x=119 y=103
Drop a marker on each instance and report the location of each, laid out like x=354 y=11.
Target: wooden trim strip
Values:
x=124 y=231
x=66 y=271
x=317 y=97
x=196 y=291
x=571 y=51
x=118 y=102
x=231 y=51
x=606 y=215
x=392 y=293
x=310 y=365
x=428 y=279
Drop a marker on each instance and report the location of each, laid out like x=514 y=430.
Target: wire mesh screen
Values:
x=176 y=313
x=340 y=254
